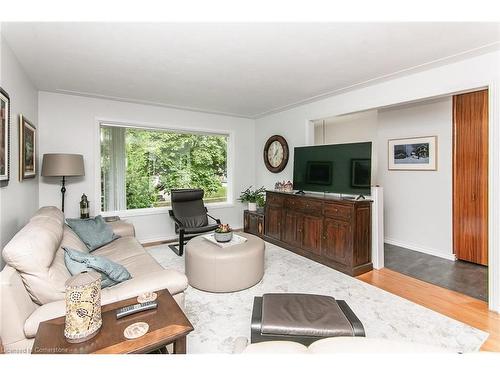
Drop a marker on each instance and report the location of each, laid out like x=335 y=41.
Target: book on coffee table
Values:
x=236 y=240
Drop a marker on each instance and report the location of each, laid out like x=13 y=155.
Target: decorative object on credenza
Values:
x=62 y=165
x=276 y=153
x=285 y=186
x=83 y=307
x=4 y=138
x=251 y=197
x=223 y=233
x=413 y=154
x=84 y=207
x=27 y=149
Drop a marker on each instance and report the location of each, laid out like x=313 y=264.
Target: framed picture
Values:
x=413 y=154
x=27 y=149
x=4 y=138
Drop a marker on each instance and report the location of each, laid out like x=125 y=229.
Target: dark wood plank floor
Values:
x=463 y=277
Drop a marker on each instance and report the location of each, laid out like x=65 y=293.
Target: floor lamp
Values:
x=62 y=165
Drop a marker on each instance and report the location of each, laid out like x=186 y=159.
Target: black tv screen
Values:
x=343 y=168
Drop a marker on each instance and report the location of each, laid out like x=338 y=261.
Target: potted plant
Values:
x=252 y=197
x=261 y=201
x=223 y=233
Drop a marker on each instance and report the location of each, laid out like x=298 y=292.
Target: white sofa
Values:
x=32 y=282
x=338 y=345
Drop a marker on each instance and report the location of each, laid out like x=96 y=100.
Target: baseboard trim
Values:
x=420 y=249
x=149 y=242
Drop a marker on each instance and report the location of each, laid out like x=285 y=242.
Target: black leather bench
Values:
x=303 y=318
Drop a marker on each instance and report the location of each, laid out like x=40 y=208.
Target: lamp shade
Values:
x=83 y=307
x=58 y=165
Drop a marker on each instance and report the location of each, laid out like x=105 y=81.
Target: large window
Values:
x=139 y=166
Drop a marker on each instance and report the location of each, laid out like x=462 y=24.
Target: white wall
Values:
x=18 y=200
x=410 y=196
x=357 y=127
x=69 y=124
x=418 y=204
x=472 y=73
x=476 y=72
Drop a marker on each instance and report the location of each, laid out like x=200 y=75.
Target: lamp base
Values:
x=78 y=340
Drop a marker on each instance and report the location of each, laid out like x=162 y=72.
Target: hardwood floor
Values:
x=455 y=305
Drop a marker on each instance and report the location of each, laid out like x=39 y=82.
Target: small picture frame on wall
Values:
x=27 y=149
x=4 y=138
x=413 y=154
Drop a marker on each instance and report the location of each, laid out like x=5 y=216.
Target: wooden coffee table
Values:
x=167 y=325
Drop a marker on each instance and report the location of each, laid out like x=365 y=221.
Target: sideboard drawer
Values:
x=309 y=206
x=337 y=211
x=274 y=199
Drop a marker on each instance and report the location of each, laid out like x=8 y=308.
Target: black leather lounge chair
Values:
x=190 y=216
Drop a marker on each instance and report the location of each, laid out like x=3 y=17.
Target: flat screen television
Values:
x=343 y=168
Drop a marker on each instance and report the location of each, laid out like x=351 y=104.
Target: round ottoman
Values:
x=217 y=269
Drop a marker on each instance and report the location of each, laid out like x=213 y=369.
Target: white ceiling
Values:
x=241 y=69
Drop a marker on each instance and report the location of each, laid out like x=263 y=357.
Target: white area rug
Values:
x=219 y=319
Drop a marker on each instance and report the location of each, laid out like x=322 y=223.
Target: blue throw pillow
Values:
x=111 y=273
x=94 y=232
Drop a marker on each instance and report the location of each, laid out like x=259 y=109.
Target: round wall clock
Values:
x=276 y=153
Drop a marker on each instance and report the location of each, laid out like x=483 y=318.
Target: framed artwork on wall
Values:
x=413 y=154
x=27 y=149
x=4 y=138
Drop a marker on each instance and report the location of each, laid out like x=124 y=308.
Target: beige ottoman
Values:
x=217 y=269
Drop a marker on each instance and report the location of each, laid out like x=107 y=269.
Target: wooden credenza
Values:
x=334 y=232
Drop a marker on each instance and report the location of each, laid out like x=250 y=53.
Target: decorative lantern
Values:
x=83 y=307
x=84 y=207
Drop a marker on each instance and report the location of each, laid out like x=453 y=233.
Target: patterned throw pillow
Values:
x=94 y=232
x=111 y=273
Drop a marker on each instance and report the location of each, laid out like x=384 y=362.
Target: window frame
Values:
x=160 y=127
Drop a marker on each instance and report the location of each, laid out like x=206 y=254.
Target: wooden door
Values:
x=337 y=241
x=292 y=230
x=312 y=231
x=273 y=222
x=470 y=176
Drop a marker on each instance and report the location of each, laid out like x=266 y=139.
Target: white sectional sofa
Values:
x=32 y=282
x=339 y=345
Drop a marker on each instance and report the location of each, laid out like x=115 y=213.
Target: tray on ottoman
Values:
x=303 y=318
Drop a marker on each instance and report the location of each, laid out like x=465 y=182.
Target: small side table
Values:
x=253 y=222
x=167 y=325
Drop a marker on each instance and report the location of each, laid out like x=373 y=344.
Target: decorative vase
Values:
x=223 y=236
x=252 y=206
